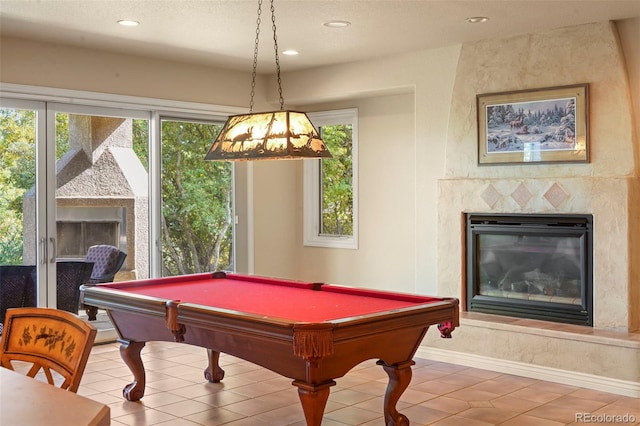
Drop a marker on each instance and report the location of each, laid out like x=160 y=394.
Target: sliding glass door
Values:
x=102 y=184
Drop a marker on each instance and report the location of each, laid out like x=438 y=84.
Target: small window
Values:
x=330 y=185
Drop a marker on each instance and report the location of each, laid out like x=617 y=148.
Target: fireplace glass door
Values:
x=530 y=266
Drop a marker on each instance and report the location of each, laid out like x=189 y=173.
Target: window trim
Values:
x=312 y=187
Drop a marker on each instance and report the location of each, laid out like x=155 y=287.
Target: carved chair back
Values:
x=50 y=343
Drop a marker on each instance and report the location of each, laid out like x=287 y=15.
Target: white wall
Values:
x=403 y=104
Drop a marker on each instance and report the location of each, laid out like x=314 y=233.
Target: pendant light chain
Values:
x=255 y=57
x=275 y=46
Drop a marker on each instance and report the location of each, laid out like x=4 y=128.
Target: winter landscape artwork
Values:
x=533 y=126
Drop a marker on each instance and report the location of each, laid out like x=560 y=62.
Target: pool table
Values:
x=312 y=333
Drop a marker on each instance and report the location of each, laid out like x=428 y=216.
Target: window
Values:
x=331 y=185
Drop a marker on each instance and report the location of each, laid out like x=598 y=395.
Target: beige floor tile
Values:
x=535 y=395
x=352 y=415
x=488 y=414
x=446 y=404
x=145 y=417
x=468 y=394
x=460 y=421
x=526 y=420
x=184 y=408
x=214 y=416
x=565 y=414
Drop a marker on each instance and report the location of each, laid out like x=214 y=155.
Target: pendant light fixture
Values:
x=267 y=135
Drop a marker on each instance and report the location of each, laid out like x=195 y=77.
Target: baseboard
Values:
x=583 y=380
x=106 y=336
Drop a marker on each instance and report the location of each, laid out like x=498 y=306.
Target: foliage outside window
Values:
x=197 y=201
x=18 y=174
x=330 y=191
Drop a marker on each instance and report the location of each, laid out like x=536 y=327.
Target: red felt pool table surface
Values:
x=289 y=300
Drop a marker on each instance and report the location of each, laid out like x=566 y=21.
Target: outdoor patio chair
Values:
x=70 y=275
x=107 y=261
x=15 y=282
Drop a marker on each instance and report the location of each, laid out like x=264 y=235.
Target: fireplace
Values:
x=534 y=266
x=79 y=228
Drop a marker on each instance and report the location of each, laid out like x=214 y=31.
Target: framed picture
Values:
x=534 y=126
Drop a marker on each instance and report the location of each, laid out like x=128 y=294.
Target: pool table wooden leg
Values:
x=313 y=399
x=399 y=379
x=213 y=373
x=130 y=353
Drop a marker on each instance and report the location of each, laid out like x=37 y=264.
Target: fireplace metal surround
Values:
x=536 y=266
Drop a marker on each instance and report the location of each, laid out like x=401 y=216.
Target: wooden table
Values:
x=25 y=401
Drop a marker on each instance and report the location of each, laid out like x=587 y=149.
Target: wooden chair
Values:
x=54 y=341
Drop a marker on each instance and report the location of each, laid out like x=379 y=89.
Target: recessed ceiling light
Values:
x=476 y=19
x=128 y=23
x=337 y=24
x=290 y=52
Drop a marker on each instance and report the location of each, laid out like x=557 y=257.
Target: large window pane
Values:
x=197 y=201
x=17 y=180
x=17 y=177
x=337 y=181
x=331 y=184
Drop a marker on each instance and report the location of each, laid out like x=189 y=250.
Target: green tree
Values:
x=337 y=178
x=17 y=176
x=196 y=201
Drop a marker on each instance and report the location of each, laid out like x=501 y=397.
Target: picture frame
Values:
x=548 y=125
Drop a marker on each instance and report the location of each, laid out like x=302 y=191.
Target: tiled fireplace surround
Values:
x=607 y=356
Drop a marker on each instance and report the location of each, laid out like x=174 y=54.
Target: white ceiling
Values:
x=222 y=32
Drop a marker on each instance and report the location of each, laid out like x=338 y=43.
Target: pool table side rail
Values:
x=207 y=276
x=334 y=288
x=317 y=286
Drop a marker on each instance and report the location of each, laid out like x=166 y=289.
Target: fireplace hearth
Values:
x=530 y=266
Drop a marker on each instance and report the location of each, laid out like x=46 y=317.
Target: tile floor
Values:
x=440 y=394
